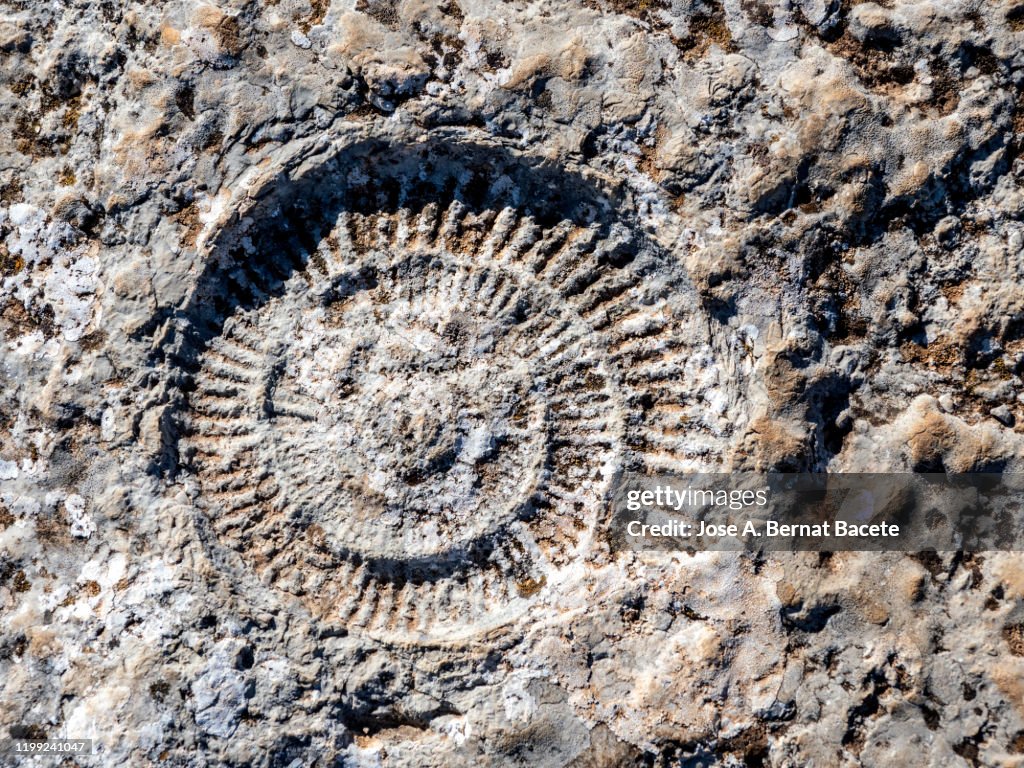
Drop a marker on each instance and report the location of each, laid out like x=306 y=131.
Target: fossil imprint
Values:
x=413 y=374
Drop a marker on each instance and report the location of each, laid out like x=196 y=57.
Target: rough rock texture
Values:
x=324 y=325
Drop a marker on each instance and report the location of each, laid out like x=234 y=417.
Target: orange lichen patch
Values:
x=26 y=131
x=224 y=27
x=953 y=292
x=647 y=11
x=9 y=264
x=1016 y=745
x=52 y=529
x=384 y=12
x=1013 y=634
x=159 y=690
x=708 y=27
x=945 y=87
x=649 y=156
x=1015 y=18
x=22 y=86
x=750 y=746
x=72 y=113
x=169 y=35
x=20 y=321
x=876 y=68
x=941 y=355
x=529 y=586
x=761 y=13
x=11 y=191
x=362 y=231
x=188 y=217
x=879 y=66
x=93 y=340
x=706 y=30
x=634 y=7
x=317 y=11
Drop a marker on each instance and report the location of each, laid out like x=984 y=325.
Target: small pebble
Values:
x=1003 y=415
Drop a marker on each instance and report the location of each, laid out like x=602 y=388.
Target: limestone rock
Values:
x=325 y=327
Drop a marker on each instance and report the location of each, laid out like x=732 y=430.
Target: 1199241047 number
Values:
x=43 y=746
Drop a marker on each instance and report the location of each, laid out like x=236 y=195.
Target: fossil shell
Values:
x=407 y=407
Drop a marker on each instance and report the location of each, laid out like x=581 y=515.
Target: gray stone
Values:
x=324 y=328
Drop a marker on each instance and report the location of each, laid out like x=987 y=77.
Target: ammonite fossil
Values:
x=414 y=372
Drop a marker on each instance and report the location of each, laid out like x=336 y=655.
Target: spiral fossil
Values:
x=413 y=374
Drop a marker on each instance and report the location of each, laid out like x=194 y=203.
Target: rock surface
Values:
x=323 y=327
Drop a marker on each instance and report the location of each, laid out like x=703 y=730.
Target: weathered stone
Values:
x=325 y=327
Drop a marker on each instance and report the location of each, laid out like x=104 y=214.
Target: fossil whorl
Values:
x=413 y=375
